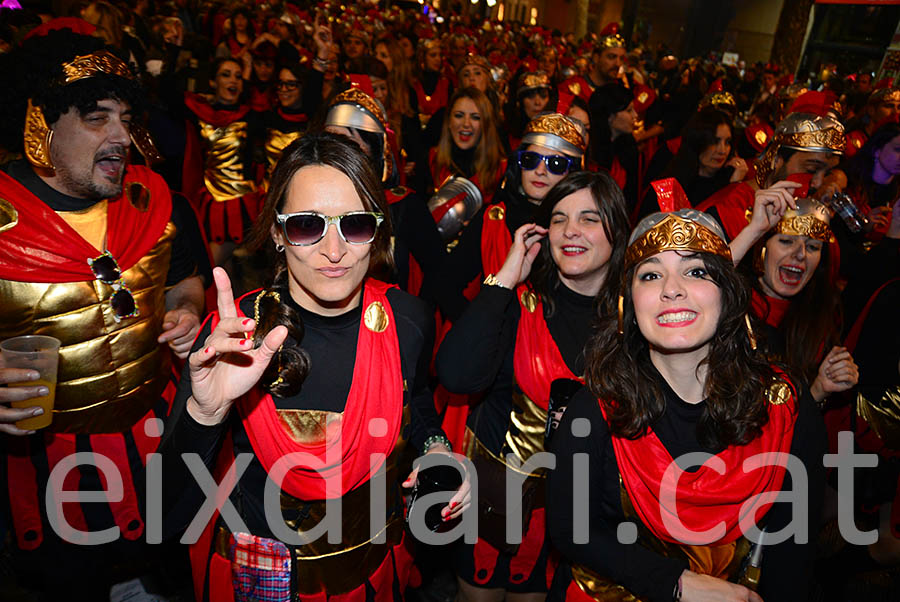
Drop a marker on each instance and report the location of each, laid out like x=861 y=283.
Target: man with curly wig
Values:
x=95 y=252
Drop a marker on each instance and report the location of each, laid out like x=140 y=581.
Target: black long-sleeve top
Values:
x=331 y=343
x=464 y=263
x=786 y=567
x=416 y=233
x=477 y=353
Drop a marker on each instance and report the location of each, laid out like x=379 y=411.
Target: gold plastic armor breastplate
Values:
x=110 y=374
x=276 y=142
x=224 y=169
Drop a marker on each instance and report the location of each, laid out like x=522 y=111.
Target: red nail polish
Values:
x=453 y=504
x=244 y=342
x=245 y=322
x=206 y=350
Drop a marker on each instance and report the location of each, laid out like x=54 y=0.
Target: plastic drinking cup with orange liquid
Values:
x=39 y=353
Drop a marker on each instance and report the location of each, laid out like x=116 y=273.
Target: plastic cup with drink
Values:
x=39 y=353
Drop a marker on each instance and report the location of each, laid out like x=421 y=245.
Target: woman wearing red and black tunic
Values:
x=552 y=147
x=520 y=333
x=650 y=497
x=431 y=90
x=328 y=363
x=218 y=175
x=793 y=271
x=470 y=144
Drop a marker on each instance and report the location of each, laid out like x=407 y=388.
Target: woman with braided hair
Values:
x=328 y=362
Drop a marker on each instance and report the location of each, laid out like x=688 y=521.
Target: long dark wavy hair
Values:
x=320 y=148
x=698 y=135
x=812 y=324
x=611 y=205
x=619 y=371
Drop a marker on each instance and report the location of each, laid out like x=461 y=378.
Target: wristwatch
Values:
x=491 y=280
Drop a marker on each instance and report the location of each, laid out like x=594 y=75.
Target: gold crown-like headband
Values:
x=612 y=41
x=556 y=125
x=891 y=95
x=96 y=63
x=827 y=140
x=805 y=225
x=811 y=218
x=718 y=99
x=675 y=233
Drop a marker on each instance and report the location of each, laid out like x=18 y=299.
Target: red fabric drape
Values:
x=42 y=247
x=706 y=499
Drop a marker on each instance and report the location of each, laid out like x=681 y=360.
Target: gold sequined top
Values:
x=223 y=172
x=276 y=142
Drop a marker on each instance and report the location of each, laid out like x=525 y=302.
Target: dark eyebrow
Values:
x=99 y=109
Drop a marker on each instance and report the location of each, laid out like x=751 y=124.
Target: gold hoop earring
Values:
x=750 y=334
x=621 y=315
x=759 y=264
x=38 y=136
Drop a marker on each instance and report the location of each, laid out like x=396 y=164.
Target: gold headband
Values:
x=613 y=41
x=96 y=63
x=675 y=233
x=556 y=125
x=805 y=225
x=718 y=99
x=826 y=140
x=889 y=95
x=811 y=218
x=534 y=80
x=478 y=61
x=831 y=139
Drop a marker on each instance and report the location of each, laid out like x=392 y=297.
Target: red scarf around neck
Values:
x=708 y=498
x=200 y=107
x=770 y=309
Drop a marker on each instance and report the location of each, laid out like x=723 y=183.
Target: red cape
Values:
x=42 y=247
x=732 y=203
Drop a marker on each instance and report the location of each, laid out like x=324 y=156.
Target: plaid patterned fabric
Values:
x=261 y=569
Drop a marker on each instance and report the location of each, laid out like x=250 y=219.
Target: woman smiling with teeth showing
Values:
x=791 y=263
x=553 y=146
x=676 y=399
x=527 y=327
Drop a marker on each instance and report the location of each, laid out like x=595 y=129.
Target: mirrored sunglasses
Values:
x=308 y=227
